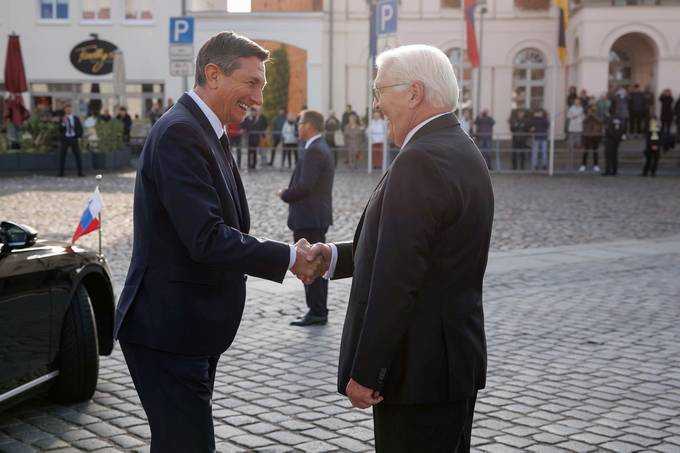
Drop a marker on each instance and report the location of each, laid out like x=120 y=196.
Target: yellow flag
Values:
x=563 y=6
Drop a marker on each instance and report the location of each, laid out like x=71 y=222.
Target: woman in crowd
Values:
x=354 y=140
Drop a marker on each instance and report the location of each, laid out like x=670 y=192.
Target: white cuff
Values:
x=293 y=255
x=334 y=261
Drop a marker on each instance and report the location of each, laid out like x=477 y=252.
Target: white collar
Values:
x=309 y=142
x=413 y=131
x=214 y=121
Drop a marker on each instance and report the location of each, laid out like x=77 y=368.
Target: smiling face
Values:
x=236 y=93
x=394 y=102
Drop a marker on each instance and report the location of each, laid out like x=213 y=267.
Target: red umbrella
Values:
x=15 y=82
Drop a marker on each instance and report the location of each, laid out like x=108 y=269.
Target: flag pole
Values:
x=99 y=178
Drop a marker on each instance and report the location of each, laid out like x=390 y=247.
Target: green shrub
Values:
x=38 y=134
x=109 y=135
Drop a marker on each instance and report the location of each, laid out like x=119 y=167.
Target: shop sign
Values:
x=93 y=57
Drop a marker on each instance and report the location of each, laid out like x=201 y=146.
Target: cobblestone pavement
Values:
x=583 y=347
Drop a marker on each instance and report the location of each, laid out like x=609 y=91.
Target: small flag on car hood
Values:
x=89 y=221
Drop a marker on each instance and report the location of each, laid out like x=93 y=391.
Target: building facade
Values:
x=610 y=43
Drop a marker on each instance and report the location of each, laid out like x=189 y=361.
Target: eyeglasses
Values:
x=376 y=90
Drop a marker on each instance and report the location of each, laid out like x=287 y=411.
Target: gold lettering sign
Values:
x=94 y=54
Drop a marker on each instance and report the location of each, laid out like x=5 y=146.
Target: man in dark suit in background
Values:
x=185 y=290
x=413 y=344
x=310 y=211
x=71 y=131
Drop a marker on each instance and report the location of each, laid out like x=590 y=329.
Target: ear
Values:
x=212 y=74
x=416 y=93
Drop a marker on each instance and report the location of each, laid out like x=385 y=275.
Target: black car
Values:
x=56 y=316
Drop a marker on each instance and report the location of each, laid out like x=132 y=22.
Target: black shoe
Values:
x=310 y=320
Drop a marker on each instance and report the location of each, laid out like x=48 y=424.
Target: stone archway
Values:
x=633 y=59
x=297 y=87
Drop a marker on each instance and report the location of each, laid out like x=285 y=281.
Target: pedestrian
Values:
x=290 y=140
x=124 y=117
x=519 y=126
x=603 y=105
x=638 y=111
x=613 y=134
x=539 y=126
x=575 y=115
x=331 y=128
x=585 y=99
x=676 y=111
x=170 y=103
x=376 y=131
x=466 y=121
x=652 y=148
x=666 y=116
x=355 y=140
x=484 y=124
x=620 y=108
x=71 y=130
x=156 y=112
x=310 y=205
x=252 y=128
x=185 y=289
x=345 y=116
x=413 y=346
x=593 y=129
x=277 y=125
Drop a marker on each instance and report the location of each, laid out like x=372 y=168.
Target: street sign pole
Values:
x=181 y=49
x=386 y=28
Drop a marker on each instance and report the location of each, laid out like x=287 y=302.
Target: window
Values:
x=138 y=10
x=528 y=80
x=464 y=82
x=99 y=10
x=53 y=9
x=620 y=69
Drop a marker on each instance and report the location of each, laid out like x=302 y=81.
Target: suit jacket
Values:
x=77 y=126
x=185 y=289
x=414 y=327
x=310 y=190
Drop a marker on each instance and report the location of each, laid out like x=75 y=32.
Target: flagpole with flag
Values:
x=91 y=217
x=563 y=17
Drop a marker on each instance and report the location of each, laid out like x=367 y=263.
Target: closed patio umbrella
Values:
x=15 y=82
x=119 y=78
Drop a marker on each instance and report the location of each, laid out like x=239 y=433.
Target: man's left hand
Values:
x=360 y=396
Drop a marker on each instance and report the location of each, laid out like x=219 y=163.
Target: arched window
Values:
x=464 y=82
x=620 y=69
x=528 y=80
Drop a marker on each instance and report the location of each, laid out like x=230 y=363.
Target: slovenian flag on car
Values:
x=89 y=221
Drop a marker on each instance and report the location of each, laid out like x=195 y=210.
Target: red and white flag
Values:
x=89 y=221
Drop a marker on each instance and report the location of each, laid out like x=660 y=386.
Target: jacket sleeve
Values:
x=344 y=266
x=181 y=172
x=415 y=202
x=311 y=169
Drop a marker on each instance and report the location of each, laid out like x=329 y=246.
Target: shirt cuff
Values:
x=293 y=255
x=334 y=261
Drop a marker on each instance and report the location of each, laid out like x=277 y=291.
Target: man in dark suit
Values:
x=413 y=344
x=185 y=289
x=310 y=213
x=71 y=131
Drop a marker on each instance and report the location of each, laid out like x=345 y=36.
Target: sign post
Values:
x=181 y=50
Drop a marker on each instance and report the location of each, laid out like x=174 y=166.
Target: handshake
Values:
x=311 y=261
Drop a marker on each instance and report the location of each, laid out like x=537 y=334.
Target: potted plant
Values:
x=110 y=150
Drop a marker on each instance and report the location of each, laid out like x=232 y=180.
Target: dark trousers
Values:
x=72 y=143
x=316 y=294
x=590 y=143
x=666 y=125
x=518 y=146
x=277 y=140
x=445 y=427
x=637 y=123
x=252 y=156
x=288 y=150
x=176 y=393
x=651 y=162
x=611 y=155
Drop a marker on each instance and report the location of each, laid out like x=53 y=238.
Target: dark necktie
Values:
x=232 y=177
x=224 y=141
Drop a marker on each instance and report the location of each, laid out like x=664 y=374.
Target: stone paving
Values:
x=582 y=327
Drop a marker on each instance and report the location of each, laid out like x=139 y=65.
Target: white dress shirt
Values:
x=311 y=140
x=218 y=127
x=334 y=250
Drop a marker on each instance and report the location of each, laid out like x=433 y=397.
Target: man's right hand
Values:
x=323 y=251
x=306 y=269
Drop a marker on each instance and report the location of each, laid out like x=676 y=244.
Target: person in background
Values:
x=71 y=130
x=253 y=127
x=345 y=116
x=156 y=112
x=652 y=148
x=127 y=123
x=585 y=99
x=604 y=105
x=539 y=126
x=666 y=116
x=575 y=115
x=620 y=108
x=676 y=111
x=638 y=111
x=277 y=125
x=105 y=115
x=593 y=127
x=331 y=127
x=376 y=131
x=612 y=139
x=169 y=104
x=519 y=126
x=355 y=140
x=290 y=141
x=484 y=134
x=466 y=121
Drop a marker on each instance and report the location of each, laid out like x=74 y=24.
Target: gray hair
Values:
x=224 y=50
x=425 y=64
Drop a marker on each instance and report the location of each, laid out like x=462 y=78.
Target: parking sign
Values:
x=181 y=30
x=386 y=17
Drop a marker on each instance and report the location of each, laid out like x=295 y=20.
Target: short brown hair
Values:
x=313 y=118
x=224 y=50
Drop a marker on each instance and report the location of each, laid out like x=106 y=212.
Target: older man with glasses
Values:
x=413 y=345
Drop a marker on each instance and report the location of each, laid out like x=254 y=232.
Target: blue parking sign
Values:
x=386 y=17
x=181 y=30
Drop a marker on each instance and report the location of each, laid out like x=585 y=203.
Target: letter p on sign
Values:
x=181 y=30
x=387 y=17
